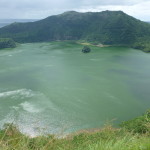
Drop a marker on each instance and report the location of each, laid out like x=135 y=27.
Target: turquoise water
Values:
x=55 y=88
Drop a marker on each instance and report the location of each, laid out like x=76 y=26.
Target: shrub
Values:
x=138 y=125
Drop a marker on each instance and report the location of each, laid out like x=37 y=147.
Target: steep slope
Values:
x=107 y=27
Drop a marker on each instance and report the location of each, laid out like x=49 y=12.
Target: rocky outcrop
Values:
x=86 y=49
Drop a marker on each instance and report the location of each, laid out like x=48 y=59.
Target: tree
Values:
x=86 y=49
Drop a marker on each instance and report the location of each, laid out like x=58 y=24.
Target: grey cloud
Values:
x=44 y=8
x=62 y=3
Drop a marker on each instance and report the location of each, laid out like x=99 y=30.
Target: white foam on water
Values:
x=29 y=131
x=93 y=59
x=30 y=107
x=9 y=118
x=20 y=92
x=26 y=114
x=15 y=108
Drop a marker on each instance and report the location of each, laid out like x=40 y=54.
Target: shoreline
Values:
x=133 y=135
x=144 y=118
x=90 y=44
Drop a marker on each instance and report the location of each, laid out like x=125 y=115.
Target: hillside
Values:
x=107 y=27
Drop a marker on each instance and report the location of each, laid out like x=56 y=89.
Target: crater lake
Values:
x=55 y=88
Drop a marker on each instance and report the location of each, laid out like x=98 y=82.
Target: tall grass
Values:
x=129 y=137
x=104 y=139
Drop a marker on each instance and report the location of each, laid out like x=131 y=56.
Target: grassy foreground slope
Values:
x=107 y=27
x=133 y=135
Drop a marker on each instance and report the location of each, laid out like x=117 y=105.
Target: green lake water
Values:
x=55 y=88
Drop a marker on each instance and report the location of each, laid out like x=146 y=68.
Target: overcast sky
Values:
x=38 y=9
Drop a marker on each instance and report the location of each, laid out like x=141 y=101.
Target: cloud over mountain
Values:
x=41 y=9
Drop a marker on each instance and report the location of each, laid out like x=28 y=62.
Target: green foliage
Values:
x=107 y=27
x=86 y=49
x=142 y=45
x=7 y=43
x=127 y=142
x=138 y=125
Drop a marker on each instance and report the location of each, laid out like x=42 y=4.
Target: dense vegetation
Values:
x=133 y=135
x=7 y=43
x=107 y=27
x=86 y=49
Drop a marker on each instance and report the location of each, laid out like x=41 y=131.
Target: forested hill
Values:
x=107 y=27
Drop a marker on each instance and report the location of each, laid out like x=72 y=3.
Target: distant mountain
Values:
x=4 y=22
x=107 y=27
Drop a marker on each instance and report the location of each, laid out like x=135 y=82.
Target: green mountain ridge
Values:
x=107 y=27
